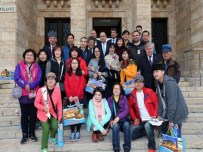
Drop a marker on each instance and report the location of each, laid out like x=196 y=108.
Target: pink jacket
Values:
x=39 y=104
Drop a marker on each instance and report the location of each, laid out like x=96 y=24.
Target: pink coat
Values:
x=39 y=104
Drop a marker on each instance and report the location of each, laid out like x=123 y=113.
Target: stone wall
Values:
x=8 y=36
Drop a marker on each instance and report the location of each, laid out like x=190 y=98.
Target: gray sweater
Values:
x=176 y=109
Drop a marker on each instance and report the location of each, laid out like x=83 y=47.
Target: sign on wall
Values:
x=7 y=6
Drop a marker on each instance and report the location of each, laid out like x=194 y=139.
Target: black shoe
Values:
x=24 y=139
x=126 y=150
x=33 y=138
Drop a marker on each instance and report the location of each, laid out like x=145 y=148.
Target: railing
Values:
x=193 y=66
x=106 y=2
x=159 y=3
x=57 y=2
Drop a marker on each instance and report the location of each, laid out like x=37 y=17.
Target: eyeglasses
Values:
x=50 y=78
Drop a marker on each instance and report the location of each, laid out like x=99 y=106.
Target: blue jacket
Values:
x=66 y=50
x=91 y=120
x=86 y=55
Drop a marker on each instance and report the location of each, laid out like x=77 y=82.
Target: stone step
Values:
x=183 y=84
x=7 y=86
x=5 y=91
x=8 y=111
x=9 y=121
x=194 y=101
x=195 y=108
x=191 y=89
x=192 y=94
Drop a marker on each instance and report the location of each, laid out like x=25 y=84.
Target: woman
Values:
x=49 y=105
x=119 y=107
x=28 y=76
x=74 y=87
x=57 y=66
x=113 y=64
x=75 y=53
x=42 y=61
x=99 y=115
x=98 y=70
x=128 y=67
x=120 y=46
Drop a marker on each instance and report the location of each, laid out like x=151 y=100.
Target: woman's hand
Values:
x=99 y=73
x=70 y=99
x=115 y=121
x=46 y=108
x=95 y=76
x=104 y=132
x=136 y=122
x=27 y=88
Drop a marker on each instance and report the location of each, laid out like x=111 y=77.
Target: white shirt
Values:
x=104 y=48
x=142 y=109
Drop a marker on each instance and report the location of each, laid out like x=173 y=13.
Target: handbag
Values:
x=32 y=94
x=17 y=91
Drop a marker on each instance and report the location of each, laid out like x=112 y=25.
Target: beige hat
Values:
x=51 y=74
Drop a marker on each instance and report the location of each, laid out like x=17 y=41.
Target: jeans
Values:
x=164 y=128
x=49 y=125
x=125 y=128
x=143 y=129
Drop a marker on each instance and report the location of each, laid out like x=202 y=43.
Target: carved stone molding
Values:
x=104 y=3
x=159 y=3
x=56 y=3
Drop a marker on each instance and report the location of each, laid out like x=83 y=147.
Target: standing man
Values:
x=139 y=29
x=67 y=47
x=172 y=105
x=86 y=54
x=52 y=35
x=91 y=43
x=143 y=105
x=171 y=67
x=114 y=34
x=103 y=44
x=125 y=37
x=146 y=62
x=93 y=33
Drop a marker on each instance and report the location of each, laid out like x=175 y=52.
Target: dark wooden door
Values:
x=159 y=32
x=59 y=25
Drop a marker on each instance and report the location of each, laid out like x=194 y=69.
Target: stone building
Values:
x=25 y=23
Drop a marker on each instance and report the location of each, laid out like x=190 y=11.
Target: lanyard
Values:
x=114 y=107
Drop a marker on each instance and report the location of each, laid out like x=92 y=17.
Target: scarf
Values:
x=99 y=110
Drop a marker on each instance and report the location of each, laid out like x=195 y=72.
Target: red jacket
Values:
x=74 y=85
x=150 y=100
x=39 y=104
x=83 y=65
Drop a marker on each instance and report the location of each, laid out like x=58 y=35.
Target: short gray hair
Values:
x=151 y=44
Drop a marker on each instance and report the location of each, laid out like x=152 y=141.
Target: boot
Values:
x=151 y=150
x=24 y=138
x=94 y=137
x=33 y=137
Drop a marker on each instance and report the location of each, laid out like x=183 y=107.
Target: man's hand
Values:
x=136 y=122
x=170 y=125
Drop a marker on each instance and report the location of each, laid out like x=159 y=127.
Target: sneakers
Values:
x=94 y=137
x=33 y=137
x=77 y=136
x=52 y=140
x=72 y=137
x=24 y=138
x=100 y=136
x=44 y=150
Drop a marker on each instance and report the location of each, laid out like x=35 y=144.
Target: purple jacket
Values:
x=21 y=76
x=123 y=111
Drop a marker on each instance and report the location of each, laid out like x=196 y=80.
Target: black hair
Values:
x=101 y=57
x=125 y=31
x=121 y=88
x=78 y=71
x=112 y=44
x=136 y=31
x=41 y=50
x=145 y=32
x=139 y=26
x=90 y=38
x=123 y=46
x=129 y=53
x=70 y=35
x=30 y=50
x=74 y=48
x=114 y=29
x=55 y=48
x=99 y=89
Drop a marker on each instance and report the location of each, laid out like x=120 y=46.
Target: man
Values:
x=137 y=50
x=66 y=47
x=103 y=44
x=125 y=37
x=171 y=67
x=113 y=39
x=86 y=54
x=93 y=33
x=145 y=38
x=52 y=35
x=146 y=62
x=139 y=29
x=143 y=104
x=91 y=43
x=172 y=105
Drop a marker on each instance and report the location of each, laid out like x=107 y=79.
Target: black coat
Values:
x=47 y=48
x=146 y=70
x=100 y=47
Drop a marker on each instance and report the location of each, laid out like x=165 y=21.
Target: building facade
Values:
x=25 y=23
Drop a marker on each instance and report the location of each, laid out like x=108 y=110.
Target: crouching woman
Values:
x=99 y=115
x=49 y=105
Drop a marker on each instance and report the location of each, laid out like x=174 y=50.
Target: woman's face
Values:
x=112 y=50
x=57 y=53
x=74 y=54
x=98 y=96
x=125 y=55
x=51 y=82
x=116 y=90
x=74 y=64
x=97 y=53
x=42 y=56
x=120 y=43
x=29 y=57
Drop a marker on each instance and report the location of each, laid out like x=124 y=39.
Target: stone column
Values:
x=78 y=19
x=142 y=14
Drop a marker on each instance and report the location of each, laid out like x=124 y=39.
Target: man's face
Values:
x=136 y=37
x=166 y=55
x=90 y=44
x=93 y=34
x=145 y=37
x=52 y=40
x=158 y=74
x=70 y=40
x=125 y=36
x=139 y=29
x=139 y=85
x=83 y=43
x=103 y=37
x=114 y=34
x=149 y=50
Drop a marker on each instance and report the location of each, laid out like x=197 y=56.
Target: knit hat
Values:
x=51 y=74
x=52 y=34
x=139 y=78
x=158 y=67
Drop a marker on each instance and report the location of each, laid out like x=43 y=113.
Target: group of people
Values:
x=57 y=77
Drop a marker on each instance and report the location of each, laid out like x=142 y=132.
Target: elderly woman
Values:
x=28 y=76
x=49 y=105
